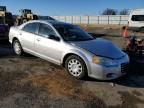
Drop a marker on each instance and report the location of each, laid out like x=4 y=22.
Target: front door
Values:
x=47 y=48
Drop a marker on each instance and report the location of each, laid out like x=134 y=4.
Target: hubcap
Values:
x=17 y=48
x=74 y=67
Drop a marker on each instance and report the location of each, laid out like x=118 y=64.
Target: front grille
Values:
x=124 y=67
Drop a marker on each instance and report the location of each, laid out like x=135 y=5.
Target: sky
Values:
x=70 y=7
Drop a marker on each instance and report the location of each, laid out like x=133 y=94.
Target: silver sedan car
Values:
x=70 y=46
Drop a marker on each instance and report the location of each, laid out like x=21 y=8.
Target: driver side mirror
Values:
x=53 y=37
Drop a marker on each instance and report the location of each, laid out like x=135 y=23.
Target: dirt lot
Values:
x=30 y=82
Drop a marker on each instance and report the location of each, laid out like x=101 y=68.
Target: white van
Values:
x=136 y=20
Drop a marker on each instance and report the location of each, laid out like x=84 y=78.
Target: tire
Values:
x=25 y=20
x=17 y=48
x=35 y=17
x=17 y=22
x=76 y=67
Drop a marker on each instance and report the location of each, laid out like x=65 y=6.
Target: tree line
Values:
x=110 y=11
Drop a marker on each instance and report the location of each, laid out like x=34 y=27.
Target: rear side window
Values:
x=31 y=28
x=138 y=18
x=45 y=30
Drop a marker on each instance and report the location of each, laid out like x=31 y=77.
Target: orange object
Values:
x=125 y=34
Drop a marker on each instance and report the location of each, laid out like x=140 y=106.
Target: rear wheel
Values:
x=76 y=67
x=17 y=48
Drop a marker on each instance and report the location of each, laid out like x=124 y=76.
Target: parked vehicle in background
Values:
x=7 y=16
x=68 y=45
x=136 y=20
x=26 y=15
x=4 y=29
x=45 y=18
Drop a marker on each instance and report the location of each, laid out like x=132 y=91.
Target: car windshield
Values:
x=72 y=33
x=28 y=11
x=2 y=8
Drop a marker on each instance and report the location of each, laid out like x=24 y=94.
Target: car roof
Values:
x=52 y=22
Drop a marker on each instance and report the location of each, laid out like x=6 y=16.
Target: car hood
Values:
x=101 y=47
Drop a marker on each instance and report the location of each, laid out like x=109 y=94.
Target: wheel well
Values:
x=66 y=56
x=142 y=27
x=14 y=39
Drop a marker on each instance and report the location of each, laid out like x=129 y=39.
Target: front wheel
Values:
x=17 y=48
x=76 y=67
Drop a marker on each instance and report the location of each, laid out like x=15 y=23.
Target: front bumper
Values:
x=109 y=73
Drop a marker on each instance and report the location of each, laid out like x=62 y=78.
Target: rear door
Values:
x=48 y=48
x=28 y=34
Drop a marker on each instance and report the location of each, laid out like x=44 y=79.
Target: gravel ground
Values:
x=30 y=82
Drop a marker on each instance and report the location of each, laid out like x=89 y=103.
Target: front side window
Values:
x=31 y=28
x=138 y=18
x=45 y=30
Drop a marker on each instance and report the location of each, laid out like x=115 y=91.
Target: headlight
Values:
x=104 y=61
